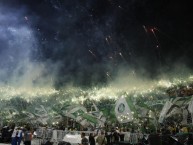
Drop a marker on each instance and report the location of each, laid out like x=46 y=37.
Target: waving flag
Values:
x=190 y=108
x=165 y=109
x=122 y=111
x=80 y=114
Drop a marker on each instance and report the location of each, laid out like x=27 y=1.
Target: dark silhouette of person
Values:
x=92 y=139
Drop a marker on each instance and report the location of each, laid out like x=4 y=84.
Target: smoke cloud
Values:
x=18 y=42
x=86 y=44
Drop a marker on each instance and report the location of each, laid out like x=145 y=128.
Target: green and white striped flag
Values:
x=80 y=114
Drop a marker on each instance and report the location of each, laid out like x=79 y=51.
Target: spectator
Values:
x=84 y=140
x=101 y=139
x=92 y=139
x=19 y=136
x=27 y=136
x=14 y=136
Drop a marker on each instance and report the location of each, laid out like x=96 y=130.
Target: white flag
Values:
x=165 y=109
x=185 y=116
x=190 y=107
x=122 y=111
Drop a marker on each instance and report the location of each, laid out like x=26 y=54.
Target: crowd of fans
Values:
x=166 y=134
x=15 y=135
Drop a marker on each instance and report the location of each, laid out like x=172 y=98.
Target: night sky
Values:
x=88 y=42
